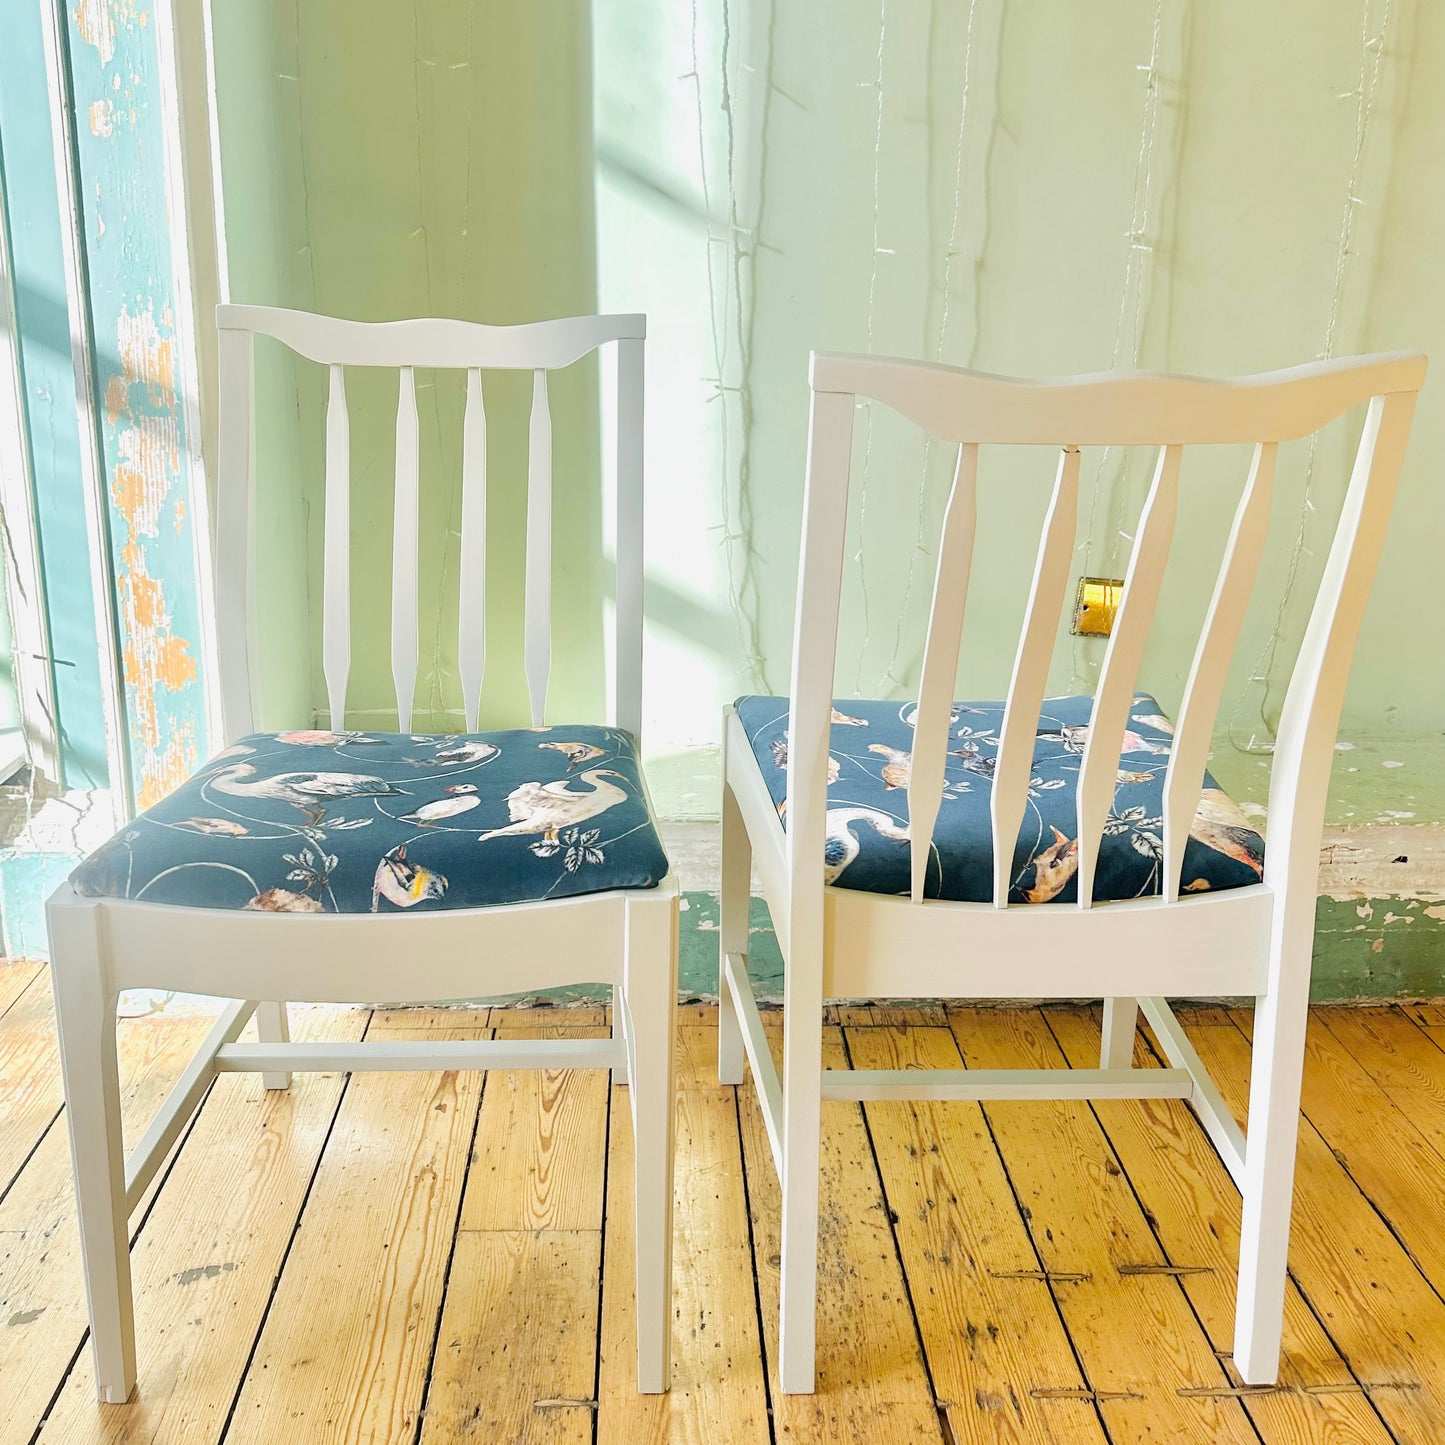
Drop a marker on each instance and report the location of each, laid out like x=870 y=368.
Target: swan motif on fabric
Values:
x=869 y=774
x=841 y=843
x=546 y=808
x=306 y=822
x=310 y=792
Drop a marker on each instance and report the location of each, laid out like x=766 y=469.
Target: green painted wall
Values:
x=1001 y=184
x=837 y=231
x=385 y=161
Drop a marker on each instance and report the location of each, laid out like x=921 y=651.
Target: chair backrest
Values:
x=1116 y=409
x=538 y=347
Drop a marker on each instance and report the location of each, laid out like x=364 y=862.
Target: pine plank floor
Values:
x=436 y=1257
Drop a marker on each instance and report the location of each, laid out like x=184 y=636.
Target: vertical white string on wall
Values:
x=1365 y=93
x=878 y=250
x=890 y=676
x=734 y=534
x=1138 y=254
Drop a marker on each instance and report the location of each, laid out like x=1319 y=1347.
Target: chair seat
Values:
x=322 y=822
x=867 y=839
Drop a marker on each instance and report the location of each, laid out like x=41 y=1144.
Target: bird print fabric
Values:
x=349 y=822
x=867 y=843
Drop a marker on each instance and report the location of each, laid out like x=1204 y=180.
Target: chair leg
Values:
x=650 y=999
x=85 y=1021
x=1121 y=1018
x=273 y=1026
x=1281 y=1018
x=802 y=1121
x=619 y=1032
x=737 y=870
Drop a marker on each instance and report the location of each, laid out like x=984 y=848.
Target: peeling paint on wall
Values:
x=114 y=71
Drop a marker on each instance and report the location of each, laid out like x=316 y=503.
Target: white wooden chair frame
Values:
x=1255 y=940
x=101 y=946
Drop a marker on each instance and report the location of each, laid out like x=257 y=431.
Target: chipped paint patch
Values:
x=204 y=1271
x=154 y=551
x=1395 y=863
x=95 y=22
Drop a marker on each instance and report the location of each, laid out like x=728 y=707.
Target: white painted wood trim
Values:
x=97 y=518
x=24 y=581
x=336 y=563
x=405 y=634
x=472 y=583
x=995 y=1084
x=351 y=957
x=432 y=1054
x=931 y=729
x=1204 y=1096
x=185 y=120
x=1118 y=408
x=755 y=1046
x=537 y=624
x=760 y=816
x=891 y=947
x=1019 y=729
x=1184 y=779
x=186 y=1093
x=443 y=343
x=1109 y=716
x=630 y=550
x=1116 y=1040
x=234 y=469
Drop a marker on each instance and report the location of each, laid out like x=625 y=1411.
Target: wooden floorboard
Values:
x=872 y=1383
x=348 y=1339
x=517 y=1346
x=42 y=1298
x=446 y=1257
x=1195 y=1211
x=205 y=1264
x=30 y=1089
x=16 y=975
x=996 y=1347
x=1380 y=1311
x=1137 y=1338
x=719 y=1394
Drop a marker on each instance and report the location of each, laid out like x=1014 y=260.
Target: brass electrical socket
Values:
x=1095 y=604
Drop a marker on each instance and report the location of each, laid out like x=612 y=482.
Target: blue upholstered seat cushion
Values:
x=320 y=822
x=868 y=841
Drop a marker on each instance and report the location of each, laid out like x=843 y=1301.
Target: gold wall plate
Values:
x=1095 y=604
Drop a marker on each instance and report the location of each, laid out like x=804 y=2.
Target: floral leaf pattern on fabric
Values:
x=868 y=829
x=345 y=822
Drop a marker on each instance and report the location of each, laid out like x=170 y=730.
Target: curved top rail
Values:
x=1117 y=408
x=537 y=345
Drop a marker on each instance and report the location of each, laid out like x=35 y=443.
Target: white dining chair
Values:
x=347 y=866
x=1059 y=847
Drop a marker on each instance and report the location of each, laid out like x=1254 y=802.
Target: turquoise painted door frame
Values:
x=103 y=316
x=31 y=200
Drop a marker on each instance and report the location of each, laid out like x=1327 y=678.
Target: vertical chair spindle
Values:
x=1184 y=780
x=940 y=663
x=627 y=684
x=537 y=628
x=1017 y=734
x=472 y=593
x=404 y=610
x=336 y=563
x=1099 y=770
